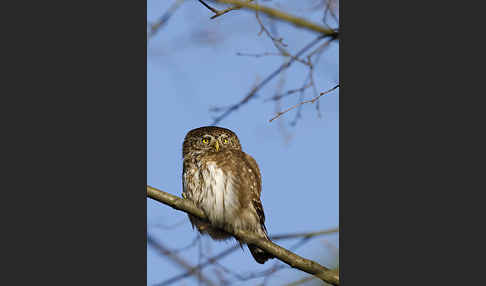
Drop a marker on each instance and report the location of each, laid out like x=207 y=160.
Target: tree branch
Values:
x=290 y=258
x=178 y=260
x=303 y=102
x=155 y=27
x=305 y=236
x=282 y=16
x=254 y=90
x=209 y=261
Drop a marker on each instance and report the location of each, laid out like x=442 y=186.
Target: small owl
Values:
x=225 y=183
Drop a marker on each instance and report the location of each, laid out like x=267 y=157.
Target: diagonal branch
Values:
x=303 y=102
x=290 y=258
x=155 y=27
x=282 y=16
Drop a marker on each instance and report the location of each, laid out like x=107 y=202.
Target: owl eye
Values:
x=225 y=140
x=205 y=140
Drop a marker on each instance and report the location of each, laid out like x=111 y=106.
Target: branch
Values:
x=178 y=260
x=279 y=15
x=209 y=261
x=154 y=28
x=252 y=93
x=300 y=281
x=214 y=260
x=290 y=258
x=214 y=10
x=303 y=102
x=304 y=234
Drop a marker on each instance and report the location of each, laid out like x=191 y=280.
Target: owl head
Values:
x=210 y=139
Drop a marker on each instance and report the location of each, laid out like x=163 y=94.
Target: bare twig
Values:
x=277 y=266
x=288 y=92
x=329 y=9
x=298 y=114
x=167 y=227
x=154 y=28
x=287 y=136
x=284 y=255
x=317 y=52
x=305 y=234
x=301 y=281
x=209 y=261
x=222 y=12
x=258 y=55
x=190 y=245
x=252 y=93
x=214 y=10
x=277 y=42
x=177 y=259
x=252 y=275
x=217 y=12
x=213 y=260
x=304 y=102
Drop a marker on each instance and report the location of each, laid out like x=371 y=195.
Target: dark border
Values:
x=76 y=152
x=407 y=131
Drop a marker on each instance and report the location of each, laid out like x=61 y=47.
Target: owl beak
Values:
x=216 y=145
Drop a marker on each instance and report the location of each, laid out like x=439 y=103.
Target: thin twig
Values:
x=301 y=281
x=154 y=28
x=217 y=12
x=214 y=260
x=277 y=266
x=177 y=259
x=209 y=261
x=252 y=93
x=304 y=102
x=258 y=55
x=288 y=92
x=277 y=42
x=222 y=12
x=214 y=10
x=168 y=227
x=193 y=242
x=298 y=114
x=305 y=234
x=330 y=10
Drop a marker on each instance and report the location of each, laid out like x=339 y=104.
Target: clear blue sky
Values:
x=191 y=66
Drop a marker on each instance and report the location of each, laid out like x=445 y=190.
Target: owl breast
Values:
x=211 y=189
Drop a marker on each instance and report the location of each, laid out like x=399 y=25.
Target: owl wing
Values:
x=254 y=167
x=256 y=202
x=183 y=181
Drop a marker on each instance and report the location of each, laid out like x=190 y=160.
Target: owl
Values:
x=225 y=183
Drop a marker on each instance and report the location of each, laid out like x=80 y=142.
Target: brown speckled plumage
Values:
x=225 y=183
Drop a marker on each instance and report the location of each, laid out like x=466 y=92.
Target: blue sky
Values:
x=191 y=66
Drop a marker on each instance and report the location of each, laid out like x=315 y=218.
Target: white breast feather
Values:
x=218 y=199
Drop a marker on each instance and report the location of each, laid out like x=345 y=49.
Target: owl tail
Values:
x=259 y=254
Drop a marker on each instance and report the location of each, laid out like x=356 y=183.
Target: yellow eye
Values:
x=205 y=140
x=225 y=141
